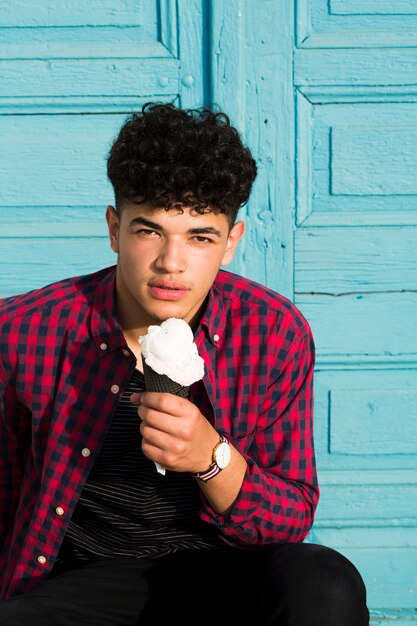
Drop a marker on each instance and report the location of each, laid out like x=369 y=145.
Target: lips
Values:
x=168 y=284
x=162 y=289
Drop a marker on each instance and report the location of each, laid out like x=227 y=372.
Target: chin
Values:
x=163 y=314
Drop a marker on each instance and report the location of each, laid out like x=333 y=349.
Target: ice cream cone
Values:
x=161 y=382
x=170 y=358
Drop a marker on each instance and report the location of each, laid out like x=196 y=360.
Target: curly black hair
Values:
x=174 y=158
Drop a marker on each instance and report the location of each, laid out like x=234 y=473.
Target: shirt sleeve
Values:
x=279 y=494
x=13 y=453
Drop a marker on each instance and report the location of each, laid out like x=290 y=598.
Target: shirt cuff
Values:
x=239 y=524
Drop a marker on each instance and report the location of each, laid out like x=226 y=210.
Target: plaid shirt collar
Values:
x=106 y=329
x=214 y=318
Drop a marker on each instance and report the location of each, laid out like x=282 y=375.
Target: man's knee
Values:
x=313 y=580
x=330 y=584
x=332 y=573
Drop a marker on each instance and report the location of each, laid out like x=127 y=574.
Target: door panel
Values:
x=355 y=73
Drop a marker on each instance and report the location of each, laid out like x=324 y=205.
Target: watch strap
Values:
x=214 y=469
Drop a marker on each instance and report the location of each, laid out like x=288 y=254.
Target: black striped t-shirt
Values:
x=126 y=507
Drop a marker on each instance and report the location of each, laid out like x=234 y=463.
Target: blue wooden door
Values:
x=324 y=92
x=355 y=75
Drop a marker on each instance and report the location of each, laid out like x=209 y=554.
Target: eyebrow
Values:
x=201 y=230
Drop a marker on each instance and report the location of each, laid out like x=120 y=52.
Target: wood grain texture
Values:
x=267 y=253
x=333 y=261
x=354 y=159
x=356 y=23
x=365 y=389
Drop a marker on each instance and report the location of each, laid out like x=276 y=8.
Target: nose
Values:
x=171 y=258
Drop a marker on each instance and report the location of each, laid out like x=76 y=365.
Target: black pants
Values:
x=287 y=585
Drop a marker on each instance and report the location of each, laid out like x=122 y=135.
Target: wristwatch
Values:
x=220 y=459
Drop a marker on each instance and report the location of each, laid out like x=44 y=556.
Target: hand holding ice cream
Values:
x=170 y=359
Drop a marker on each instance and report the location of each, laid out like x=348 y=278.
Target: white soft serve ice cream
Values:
x=170 y=349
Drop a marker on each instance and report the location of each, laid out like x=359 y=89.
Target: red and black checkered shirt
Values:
x=65 y=363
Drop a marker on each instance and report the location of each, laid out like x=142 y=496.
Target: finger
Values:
x=136 y=398
x=153 y=436
x=167 y=439
x=166 y=403
x=162 y=421
x=161 y=447
x=156 y=455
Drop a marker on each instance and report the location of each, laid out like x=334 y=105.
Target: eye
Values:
x=146 y=232
x=202 y=239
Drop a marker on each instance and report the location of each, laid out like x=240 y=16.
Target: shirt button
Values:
x=59 y=510
x=114 y=388
x=216 y=337
x=126 y=352
x=85 y=452
x=41 y=560
x=103 y=346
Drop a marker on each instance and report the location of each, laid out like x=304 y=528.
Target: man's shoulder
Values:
x=242 y=293
x=244 y=289
x=61 y=294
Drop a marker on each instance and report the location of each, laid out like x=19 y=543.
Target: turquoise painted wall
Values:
x=325 y=93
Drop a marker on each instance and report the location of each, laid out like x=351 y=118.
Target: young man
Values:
x=91 y=533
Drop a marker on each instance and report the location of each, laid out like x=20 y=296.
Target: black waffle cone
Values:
x=162 y=383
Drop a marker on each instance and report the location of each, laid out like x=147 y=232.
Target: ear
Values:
x=235 y=235
x=113 y=223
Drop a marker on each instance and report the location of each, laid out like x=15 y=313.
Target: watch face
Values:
x=223 y=455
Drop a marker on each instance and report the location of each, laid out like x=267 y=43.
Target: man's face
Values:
x=167 y=261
